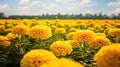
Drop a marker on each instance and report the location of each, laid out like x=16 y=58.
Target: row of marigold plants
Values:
x=59 y=43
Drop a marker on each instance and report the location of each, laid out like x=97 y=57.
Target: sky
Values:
x=38 y=7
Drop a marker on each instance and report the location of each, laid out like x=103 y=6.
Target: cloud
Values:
x=76 y=3
x=23 y=8
x=66 y=1
x=38 y=7
x=115 y=11
x=114 y=4
x=85 y=2
x=24 y=2
x=36 y=3
x=4 y=8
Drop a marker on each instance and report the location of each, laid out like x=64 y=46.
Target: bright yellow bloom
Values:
x=83 y=36
x=106 y=30
x=37 y=57
x=10 y=36
x=108 y=56
x=4 y=41
x=20 y=30
x=97 y=27
x=101 y=34
x=91 y=28
x=42 y=32
x=60 y=30
x=82 y=25
x=53 y=27
x=60 y=24
x=63 y=62
x=69 y=36
x=2 y=28
x=61 y=48
x=52 y=64
x=69 y=63
x=114 y=32
x=100 y=41
x=73 y=29
x=73 y=43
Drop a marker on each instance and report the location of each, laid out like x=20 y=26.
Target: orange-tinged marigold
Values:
x=4 y=41
x=52 y=64
x=63 y=62
x=40 y=31
x=20 y=30
x=10 y=36
x=100 y=41
x=61 y=48
x=83 y=36
x=37 y=57
x=114 y=32
x=73 y=43
x=108 y=56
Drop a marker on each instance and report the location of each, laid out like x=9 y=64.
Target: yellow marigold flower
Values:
x=101 y=34
x=114 y=32
x=69 y=63
x=53 y=27
x=68 y=25
x=100 y=41
x=10 y=36
x=83 y=36
x=37 y=57
x=4 y=41
x=69 y=36
x=73 y=29
x=106 y=30
x=82 y=25
x=2 y=28
x=108 y=56
x=63 y=62
x=60 y=30
x=73 y=43
x=91 y=24
x=52 y=64
x=117 y=39
x=8 y=30
x=91 y=28
x=61 y=48
x=97 y=27
x=42 y=32
x=20 y=30
x=60 y=24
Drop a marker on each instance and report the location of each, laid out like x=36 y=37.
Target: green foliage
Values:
x=63 y=16
x=84 y=54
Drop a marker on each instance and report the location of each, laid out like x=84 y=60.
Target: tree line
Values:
x=61 y=16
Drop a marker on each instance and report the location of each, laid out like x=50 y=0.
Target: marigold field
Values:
x=59 y=43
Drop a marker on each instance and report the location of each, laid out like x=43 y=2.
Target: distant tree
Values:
x=88 y=16
x=65 y=16
x=118 y=16
x=2 y=16
x=113 y=16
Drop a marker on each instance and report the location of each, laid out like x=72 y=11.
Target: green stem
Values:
x=84 y=51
